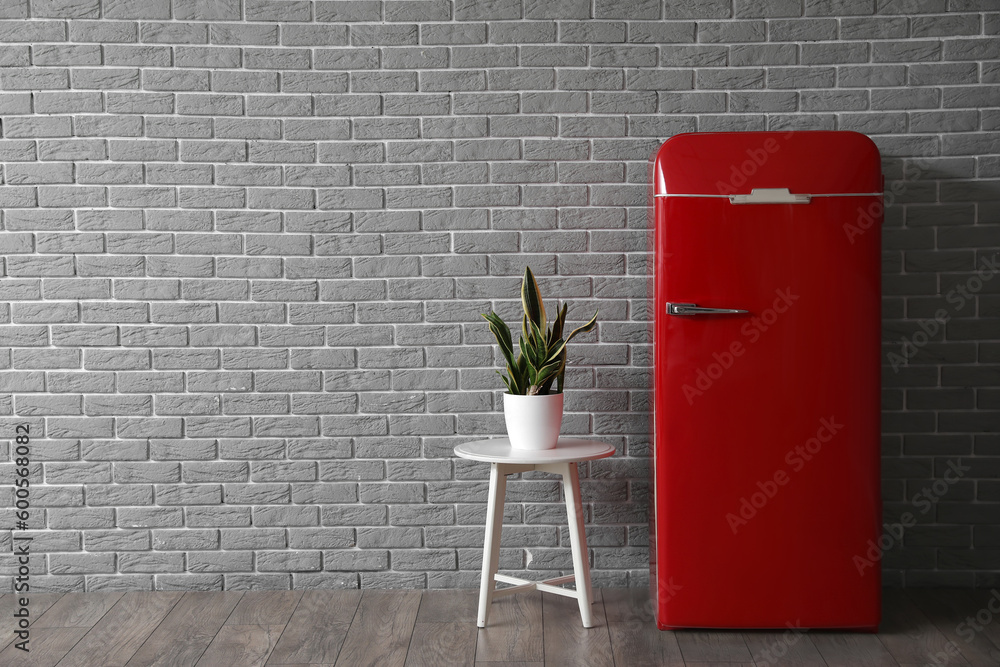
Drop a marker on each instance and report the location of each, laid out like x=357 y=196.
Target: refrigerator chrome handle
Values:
x=694 y=309
x=770 y=196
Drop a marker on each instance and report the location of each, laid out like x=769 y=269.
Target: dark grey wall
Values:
x=246 y=247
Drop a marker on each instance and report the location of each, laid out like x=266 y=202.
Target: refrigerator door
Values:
x=766 y=423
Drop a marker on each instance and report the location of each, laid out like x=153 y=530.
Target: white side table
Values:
x=563 y=461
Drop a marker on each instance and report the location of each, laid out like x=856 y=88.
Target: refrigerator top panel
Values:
x=779 y=165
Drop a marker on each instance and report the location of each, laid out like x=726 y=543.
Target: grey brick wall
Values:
x=246 y=245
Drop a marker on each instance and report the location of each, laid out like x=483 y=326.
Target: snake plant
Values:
x=541 y=351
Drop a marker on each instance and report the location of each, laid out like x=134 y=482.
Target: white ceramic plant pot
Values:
x=533 y=422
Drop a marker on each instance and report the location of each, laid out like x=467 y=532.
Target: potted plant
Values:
x=532 y=408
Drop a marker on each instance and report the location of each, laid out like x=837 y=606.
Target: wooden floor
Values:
x=437 y=629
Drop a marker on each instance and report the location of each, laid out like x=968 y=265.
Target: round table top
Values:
x=567 y=450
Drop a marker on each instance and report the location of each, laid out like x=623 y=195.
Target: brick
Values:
x=150 y=517
x=221 y=517
x=229 y=561
x=254 y=358
x=355 y=560
x=391 y=493
x=937 y=74
x=839 y=53
x=757 y=8
x=66 y=564
x=871 y=27
x=864 y=76
x=888 y=99
x=944 y=26
x=167 y=449
x=264 y=581
x=277 y=561
x=256 y=494
x=17 y=243
x=286 y=516
x=118 y=405
x=194 y=494
x=270 y=58
x=243 y=34
x=371 y=380
x=414 y=58
x=320 y=538
x=908 y=51
x=834 y=100
x=318 y=82
x=386 y=128
x=521 y=79
x=213 y=57
x=103 y=31
x=202 y=11
x=129 y=9
x=116 y=540
x=835 y=7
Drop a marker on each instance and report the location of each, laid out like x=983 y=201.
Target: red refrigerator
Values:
x=766 y=508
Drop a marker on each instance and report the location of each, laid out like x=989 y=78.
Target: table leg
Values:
x=491 y=548
x=578 y=541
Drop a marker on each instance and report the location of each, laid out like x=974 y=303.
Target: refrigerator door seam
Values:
x=822 y=194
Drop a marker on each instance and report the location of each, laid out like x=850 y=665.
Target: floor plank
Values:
x=448 y=606
x=120 y=633
x=567 y=643
x=948 y=610
x=852 y=649
x=513 y=632
x=241 y=646
x=47 y=647
x=78 y=610
x=908 y=634
x=635 y=639
x=713 y=646
x=317 y=628
x=783 y=649
x=987 y=609
x=187 y=630
x=381 y=629
x=264 y=608
x=627 y=605
x=442 y=645
x=60 y=627
x=38 y=603
x=643 y=645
